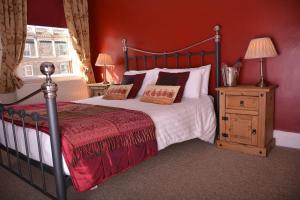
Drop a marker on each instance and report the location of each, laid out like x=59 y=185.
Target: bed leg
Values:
x=49 y=88
x=218 y=67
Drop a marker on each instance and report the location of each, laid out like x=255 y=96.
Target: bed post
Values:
x=49 y=88
x=218 y=67
x=125 y=50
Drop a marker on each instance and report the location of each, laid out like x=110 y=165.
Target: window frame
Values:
x=53 y=48
x=68 y=46
x=35 y=47
x=25 y=70
x=66 y=66
x=71 y=67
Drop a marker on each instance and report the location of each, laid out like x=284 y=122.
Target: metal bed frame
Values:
x=49 y=88
x=177 y=54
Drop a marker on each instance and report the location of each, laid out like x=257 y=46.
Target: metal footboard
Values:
x=11 y=157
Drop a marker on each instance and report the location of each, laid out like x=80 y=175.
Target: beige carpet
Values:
x=190 y=170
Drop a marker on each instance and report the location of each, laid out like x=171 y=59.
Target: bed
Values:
x=192 y=118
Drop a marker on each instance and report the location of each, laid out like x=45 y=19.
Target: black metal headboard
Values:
x=145 y=56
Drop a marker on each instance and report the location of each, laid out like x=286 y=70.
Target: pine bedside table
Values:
x=246 y=118
x=97 y=89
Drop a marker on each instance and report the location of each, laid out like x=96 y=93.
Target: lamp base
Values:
x=105 y=82
x=262 y=83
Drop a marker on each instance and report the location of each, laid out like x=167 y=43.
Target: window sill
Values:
x=55 y=78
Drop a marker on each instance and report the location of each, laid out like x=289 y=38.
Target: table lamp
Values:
x=261 y=48
x=104 y=60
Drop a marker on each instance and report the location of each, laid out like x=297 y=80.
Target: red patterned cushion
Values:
x=117 y=92
x=179 y=79
x=136 y=80
x=160 y=94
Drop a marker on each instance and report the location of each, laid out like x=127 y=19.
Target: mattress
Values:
x=192 y=118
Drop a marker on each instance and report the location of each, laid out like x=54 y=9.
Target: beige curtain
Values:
x=13 y=22
x=76 y=12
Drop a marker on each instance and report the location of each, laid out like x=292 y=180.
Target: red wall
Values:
x=171 y=24
x=46 y=13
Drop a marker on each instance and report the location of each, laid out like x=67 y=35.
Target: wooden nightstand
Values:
x=97 y=89
x=246 y=119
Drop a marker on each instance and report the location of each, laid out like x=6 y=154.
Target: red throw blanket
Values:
x=96 y=139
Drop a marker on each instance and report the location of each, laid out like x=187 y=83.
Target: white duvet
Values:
x=192 y=118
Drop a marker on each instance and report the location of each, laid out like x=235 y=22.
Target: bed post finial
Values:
x=124 y=42
x=50 y=88
x=125 y=50
x=217 y=29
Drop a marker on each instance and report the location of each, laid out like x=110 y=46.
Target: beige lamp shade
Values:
x=260 y=48
x=104 y=60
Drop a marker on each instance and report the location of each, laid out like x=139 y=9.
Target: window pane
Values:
x=61 y=48
x=63 y=67
x=45 y=48
x=29 y=50
x=28 y=70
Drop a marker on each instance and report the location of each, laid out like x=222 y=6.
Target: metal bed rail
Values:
x=10 y=154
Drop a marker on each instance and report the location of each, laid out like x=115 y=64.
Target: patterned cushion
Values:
x=160 y=94
x=117 y=92
x=180 y=79
x=136 y=80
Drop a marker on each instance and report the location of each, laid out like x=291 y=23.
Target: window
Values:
x=61 y=48
x=28 y=70
x=45 y=48
x=30 y=50
x=48 y=44
x=63 y=67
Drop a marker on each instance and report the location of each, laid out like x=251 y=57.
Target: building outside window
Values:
x=48 y=44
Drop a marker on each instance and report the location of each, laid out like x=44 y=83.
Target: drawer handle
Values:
x=253 y=131
x=224 y=134
x=242 y=103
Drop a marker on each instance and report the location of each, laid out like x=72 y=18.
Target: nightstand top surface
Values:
x=98 y=84
x=247 y=87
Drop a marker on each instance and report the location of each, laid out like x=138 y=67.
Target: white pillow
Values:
x=198 y=81
x=205 y=79
x=150 y=78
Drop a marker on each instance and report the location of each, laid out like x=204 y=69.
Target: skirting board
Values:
x=287 y=139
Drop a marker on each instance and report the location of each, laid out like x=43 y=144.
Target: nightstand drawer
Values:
x=241 y=102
